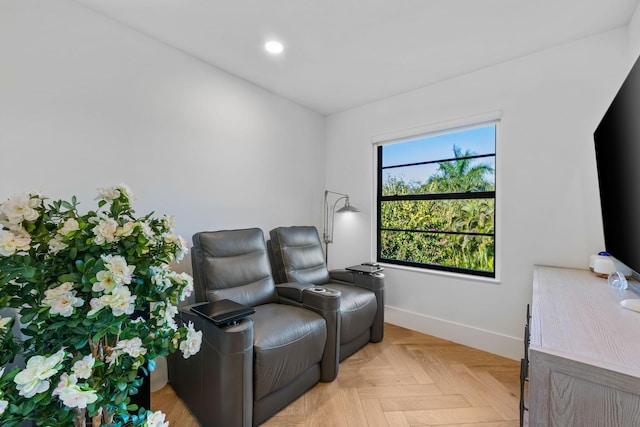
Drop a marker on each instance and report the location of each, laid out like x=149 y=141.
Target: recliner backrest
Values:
x=298 y=255
x=232 y=264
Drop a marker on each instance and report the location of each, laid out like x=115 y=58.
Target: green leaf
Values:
x=29 y=272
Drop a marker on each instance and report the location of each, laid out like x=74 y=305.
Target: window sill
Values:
x=447 y=274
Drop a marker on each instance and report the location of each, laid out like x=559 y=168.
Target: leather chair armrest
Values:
x=342 y=275
x=292 y=292
x=217 y=382
x=373 y=282
x=326 y=302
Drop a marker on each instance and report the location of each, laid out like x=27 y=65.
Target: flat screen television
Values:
x=617 y=145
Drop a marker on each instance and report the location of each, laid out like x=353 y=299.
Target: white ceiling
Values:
x=344 y=53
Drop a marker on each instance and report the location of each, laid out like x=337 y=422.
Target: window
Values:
x=436 y=201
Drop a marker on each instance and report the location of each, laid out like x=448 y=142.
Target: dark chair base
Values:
x=272 y=404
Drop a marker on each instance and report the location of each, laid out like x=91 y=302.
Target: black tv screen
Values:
x=617 y=144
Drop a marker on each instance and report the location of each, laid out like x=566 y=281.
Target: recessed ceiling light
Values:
x=274 y=47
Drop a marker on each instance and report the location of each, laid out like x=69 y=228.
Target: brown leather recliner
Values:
x=297 y=255
x=247 y=372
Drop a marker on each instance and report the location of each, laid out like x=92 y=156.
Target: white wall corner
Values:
x=492 y=342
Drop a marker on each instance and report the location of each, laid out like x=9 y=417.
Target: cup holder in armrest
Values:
x=324 y=291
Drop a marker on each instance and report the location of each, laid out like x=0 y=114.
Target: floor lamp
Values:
x=329 y=216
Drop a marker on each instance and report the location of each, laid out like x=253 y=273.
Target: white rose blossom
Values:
x=69 y=226
x=83 y=368
x=108 y=194
x=179 y=242
x=132 y=347
x=34 y=378
x=112 y=193
x=120 y=301
x=62 y=299
x=56 y=245
x=192 y=343
x=183 y=279
x=106 y=282
x=126 y=229
x=11 y=243
x=20 y=207
x=169 y=221
x=117 y=265
x=126 y=191
x=105 y=231
x=117 y=273
x=156 y=419
x=167 y=312
x=71 y=394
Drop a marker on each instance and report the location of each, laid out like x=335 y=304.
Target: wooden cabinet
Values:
x=584 y=352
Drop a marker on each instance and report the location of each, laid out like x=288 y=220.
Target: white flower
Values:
x=156 y=419
x=188 y=289
x=179 y=242
x=69 y=226
x=34 y=378
x=110 y=193
x=106 y=282
x=120 y=300
x=132 y=347
x=193 y=341
x=4 y=404
x=160 y=279
x=113 y=193
x=66 y=380
x=96 y=305
x=169 y=221
x=105 y=231
x=11 y=242
x=147 y=231
x=20 y=207
x=126 y=229
x=117 y=273
x=4 y=324
x=126 y=191
x=62 y=299
x=167 y=313
x=56 y=245
x=83 y=367
x=117 y=265
x=71 y=394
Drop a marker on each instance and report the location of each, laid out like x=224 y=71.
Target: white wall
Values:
x=548 y=199
x=87 y=103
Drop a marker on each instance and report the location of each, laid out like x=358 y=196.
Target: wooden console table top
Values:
x=577 y=315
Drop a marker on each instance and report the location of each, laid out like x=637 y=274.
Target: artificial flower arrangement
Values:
x=97 y=301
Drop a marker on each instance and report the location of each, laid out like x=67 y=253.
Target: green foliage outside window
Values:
x=447 y=220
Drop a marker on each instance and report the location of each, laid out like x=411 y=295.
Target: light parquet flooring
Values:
x=408 y=379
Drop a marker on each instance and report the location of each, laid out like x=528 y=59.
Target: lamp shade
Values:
x=348 y=208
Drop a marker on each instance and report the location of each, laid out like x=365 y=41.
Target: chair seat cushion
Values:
x=287 y=341
x=358 y=308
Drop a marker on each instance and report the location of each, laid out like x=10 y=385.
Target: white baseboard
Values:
x=492 y=342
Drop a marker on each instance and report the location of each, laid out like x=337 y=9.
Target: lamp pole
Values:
x=327 y=232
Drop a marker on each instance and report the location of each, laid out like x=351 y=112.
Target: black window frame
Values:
x=435 y=196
